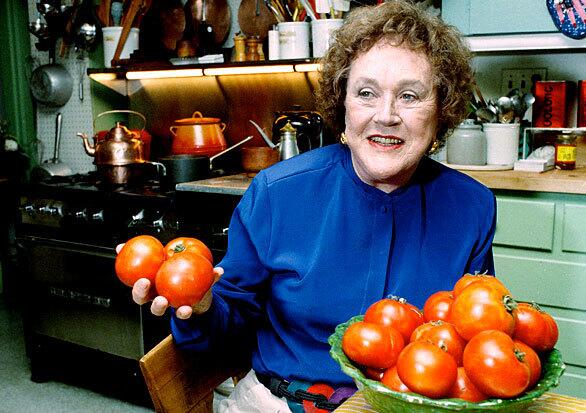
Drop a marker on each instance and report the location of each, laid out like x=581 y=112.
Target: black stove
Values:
x=68 y=231
x=82 y=208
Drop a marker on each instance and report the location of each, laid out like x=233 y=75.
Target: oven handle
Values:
x=70 y=246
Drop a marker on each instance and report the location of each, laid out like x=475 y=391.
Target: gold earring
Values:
x=343 y=139
x=434 y=147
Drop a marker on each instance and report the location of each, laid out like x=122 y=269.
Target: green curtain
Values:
x=15 y=99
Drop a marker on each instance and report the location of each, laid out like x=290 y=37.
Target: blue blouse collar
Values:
x=423 y=173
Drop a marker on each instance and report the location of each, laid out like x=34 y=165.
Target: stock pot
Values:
x=197 y=135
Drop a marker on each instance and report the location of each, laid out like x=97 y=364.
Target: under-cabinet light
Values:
x=308 y=67
x=247 y=70
x=101 y=77
x=161 y=74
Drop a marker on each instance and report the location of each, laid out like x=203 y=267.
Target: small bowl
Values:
x=254 y=159
x=385 y=400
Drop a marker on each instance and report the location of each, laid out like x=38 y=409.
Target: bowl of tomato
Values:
x=383 y=399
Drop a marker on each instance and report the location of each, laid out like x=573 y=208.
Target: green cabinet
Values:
x=481 y=17
x=540 y=254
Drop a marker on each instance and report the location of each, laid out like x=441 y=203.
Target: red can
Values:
x=551 y=107
x=581 y=121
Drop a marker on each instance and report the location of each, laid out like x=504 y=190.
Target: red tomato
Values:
x=418 y=313
x=184 y=279
x=420 y=330
x=535 y=327
x=188 y=244
x=534 y=363
x=393 y=312
x=445 y=336
x=437 y=306
x=495 y=365
x=318 y=388
x=392 y=380
x=468 y=279
x=372 y=345
x=426 y=369
x=481 y=306
x=140 y=257
x=464 y=389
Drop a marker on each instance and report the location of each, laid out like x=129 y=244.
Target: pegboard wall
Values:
x=76 y=114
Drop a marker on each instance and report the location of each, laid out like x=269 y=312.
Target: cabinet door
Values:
x=483 y=17
x=525 y=223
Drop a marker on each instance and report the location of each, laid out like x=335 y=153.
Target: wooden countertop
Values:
x=569 y=182
x=549 y=402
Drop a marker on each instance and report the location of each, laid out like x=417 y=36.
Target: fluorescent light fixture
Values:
x=101 y=77
x=162 y=74
x=248 y=70
x=308 y=67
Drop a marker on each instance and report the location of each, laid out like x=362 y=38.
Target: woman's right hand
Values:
x=142 y=293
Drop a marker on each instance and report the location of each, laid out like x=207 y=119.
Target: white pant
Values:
x=251 y=396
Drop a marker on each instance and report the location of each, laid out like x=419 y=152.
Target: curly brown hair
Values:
x=400 y=23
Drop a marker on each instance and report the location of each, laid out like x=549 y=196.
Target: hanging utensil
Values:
x=51 y=84
x=54 y=166
x=253 y=24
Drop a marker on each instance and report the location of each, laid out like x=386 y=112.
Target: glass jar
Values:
x=565 y=151
x=467 y=145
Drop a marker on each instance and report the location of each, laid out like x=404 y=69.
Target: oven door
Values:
x=76 y=297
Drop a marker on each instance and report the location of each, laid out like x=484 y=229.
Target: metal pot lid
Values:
x=196 y=119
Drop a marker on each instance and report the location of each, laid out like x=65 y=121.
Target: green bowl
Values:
x=385 y=400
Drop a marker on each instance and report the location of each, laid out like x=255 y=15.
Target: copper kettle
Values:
x=120 y=147
x=120 y=156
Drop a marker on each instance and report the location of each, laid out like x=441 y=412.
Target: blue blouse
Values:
x=311 y=245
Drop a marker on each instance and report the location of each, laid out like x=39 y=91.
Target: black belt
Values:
x=279 y=388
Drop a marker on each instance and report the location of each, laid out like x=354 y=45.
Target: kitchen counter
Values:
x=228 y=185
x=569 y=182
x=549 y=402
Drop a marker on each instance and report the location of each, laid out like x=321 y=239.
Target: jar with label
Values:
x=467 y=145
x=565 y=151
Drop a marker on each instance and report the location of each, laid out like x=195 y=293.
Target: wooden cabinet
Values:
x=540 y=253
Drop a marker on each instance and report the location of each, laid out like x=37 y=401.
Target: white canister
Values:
x=321 y=34
x=467 y=145
x=293 y=40
x=502 y=143
x=111 y=36
x=273 y=36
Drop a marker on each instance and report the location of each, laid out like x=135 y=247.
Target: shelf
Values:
x=125 y=80
x=523 y=42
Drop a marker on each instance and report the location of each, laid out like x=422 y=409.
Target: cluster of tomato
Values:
x=181 y=270
x=472 y=343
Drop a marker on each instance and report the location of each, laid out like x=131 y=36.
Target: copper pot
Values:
x=255 y=159
x=198 y=136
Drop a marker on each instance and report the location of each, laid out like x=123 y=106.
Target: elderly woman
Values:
x=318 y=238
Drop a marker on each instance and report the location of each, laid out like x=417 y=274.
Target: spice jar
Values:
x=239 y=52
x=565 y=151
x=252 y=53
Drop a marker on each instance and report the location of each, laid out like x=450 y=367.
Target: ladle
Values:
x=46 y=8
x=38 y=28
x=85 y=37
